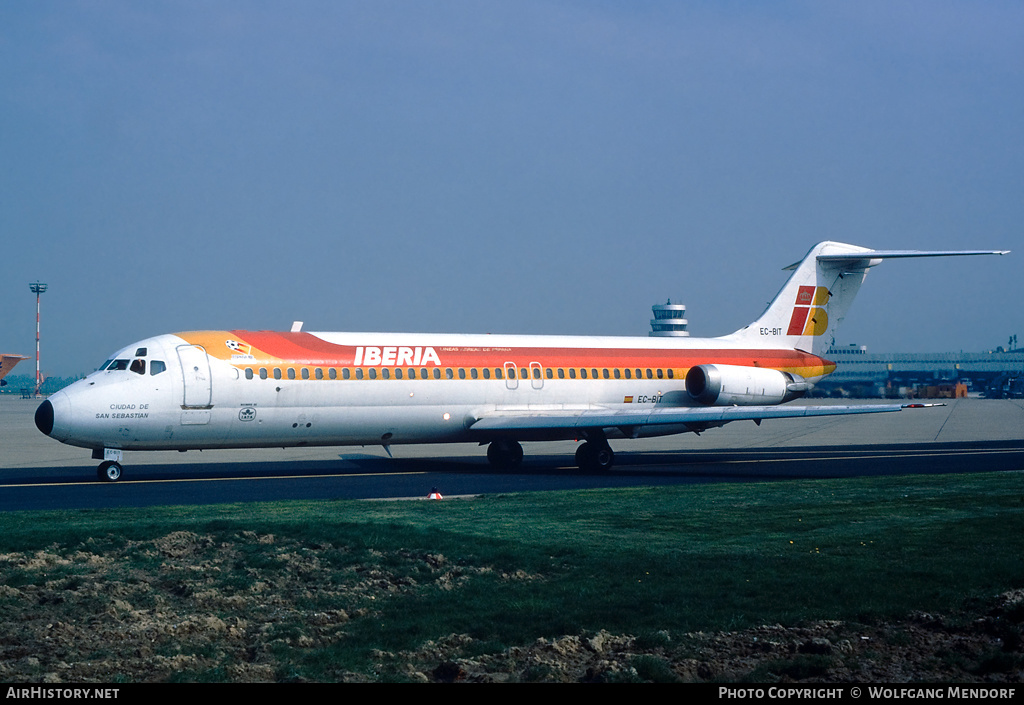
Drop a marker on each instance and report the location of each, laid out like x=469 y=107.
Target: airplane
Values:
x=261 y=389
x=7 y=363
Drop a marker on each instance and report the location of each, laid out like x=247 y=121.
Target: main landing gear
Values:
x=595 y=456
x=504 y=455
x=592 y=456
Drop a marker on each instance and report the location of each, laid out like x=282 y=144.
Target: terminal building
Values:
x=997 y=373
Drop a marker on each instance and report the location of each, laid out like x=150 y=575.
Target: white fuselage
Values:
x=222 y=390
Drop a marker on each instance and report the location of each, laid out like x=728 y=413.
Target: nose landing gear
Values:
x=109 y=471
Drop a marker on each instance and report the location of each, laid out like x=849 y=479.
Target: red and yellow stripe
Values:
x=305 y=349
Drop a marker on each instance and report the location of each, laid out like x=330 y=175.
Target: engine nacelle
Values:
x=735 y=385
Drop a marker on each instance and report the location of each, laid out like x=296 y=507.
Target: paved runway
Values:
x=967 y=435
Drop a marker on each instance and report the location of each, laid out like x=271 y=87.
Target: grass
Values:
x=640 y=561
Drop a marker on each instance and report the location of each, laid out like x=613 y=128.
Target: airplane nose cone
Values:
x=44 y=417
x=53 y=415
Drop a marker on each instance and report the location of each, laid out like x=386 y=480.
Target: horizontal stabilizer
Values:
x=893 y=254
x=868 y=255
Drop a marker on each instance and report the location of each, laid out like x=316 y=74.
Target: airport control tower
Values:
x=669 y=320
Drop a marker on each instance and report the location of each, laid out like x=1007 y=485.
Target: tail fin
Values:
x=8 y=361
x=812 y=304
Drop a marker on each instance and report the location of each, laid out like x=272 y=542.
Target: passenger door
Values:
x=195 y=372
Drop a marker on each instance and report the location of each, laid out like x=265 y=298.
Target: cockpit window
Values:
x=117 y=365
x=141 y=352
x=104 y=365
x=156 y=367
x=138 y=367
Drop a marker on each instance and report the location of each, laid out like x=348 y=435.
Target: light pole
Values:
x=37 y=289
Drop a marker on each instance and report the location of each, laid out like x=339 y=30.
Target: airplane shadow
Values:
x=722 y=464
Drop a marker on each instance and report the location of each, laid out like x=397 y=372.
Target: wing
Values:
x=513 y=420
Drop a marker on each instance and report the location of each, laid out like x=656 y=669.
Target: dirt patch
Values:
x=922 y=648
x=188 y=606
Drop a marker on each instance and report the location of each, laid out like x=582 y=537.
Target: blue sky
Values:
x=504 y=167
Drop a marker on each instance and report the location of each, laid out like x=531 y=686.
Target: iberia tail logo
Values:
x=808 y=316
